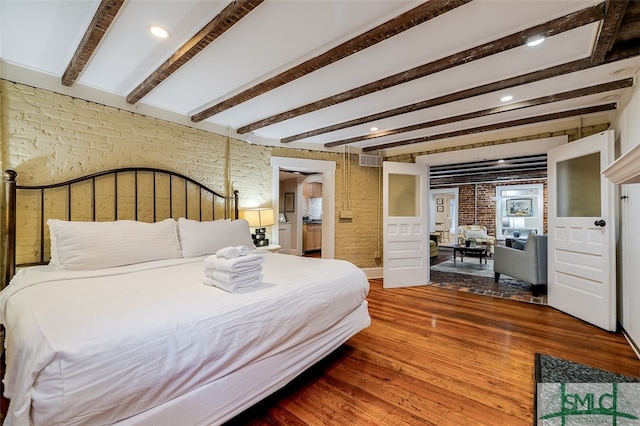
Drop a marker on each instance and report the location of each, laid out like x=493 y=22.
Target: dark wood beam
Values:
x=558 y=97
x=395 y=26
x=451 y=97
x=548 y=29
x=497 y=126
x=614 y=12
x=226 y=19
x=630 y=28
x=618 y=53
x=102 y=19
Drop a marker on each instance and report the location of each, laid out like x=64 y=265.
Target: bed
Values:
x=107 y=319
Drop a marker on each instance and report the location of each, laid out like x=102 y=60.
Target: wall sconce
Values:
x=259 y=219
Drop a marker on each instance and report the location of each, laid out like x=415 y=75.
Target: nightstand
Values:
x=273 y=248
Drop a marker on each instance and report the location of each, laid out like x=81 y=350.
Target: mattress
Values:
x=107 y=345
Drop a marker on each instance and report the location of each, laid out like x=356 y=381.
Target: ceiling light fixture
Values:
x=159 y=31
x=506 y=98
x=500 y=161
x=374 y=129
x=535 y=40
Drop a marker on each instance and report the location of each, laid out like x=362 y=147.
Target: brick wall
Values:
x=359 y=238
x=477 y=207
x=475 y=197
x=47 y=137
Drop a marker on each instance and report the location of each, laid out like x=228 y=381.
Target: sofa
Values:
x=528 y=264
x=478 y=233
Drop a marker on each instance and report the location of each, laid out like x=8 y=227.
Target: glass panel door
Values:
x=578 y=186
x=403 y=195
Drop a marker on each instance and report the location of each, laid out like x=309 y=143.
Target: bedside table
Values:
x=273 y=248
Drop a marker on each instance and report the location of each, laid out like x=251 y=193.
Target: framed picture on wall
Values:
x=440 y=209
x=289 y=201
x=519 y=207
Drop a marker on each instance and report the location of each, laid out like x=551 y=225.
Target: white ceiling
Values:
x=39 y=38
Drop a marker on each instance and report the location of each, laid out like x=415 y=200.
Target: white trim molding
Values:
x=625 y=169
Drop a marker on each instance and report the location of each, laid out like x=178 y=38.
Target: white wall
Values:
x=627 y=127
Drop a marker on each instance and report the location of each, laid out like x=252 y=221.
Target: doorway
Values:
x=444 y=214
x=325 y=169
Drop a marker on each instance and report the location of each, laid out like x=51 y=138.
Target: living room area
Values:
x=486 y=206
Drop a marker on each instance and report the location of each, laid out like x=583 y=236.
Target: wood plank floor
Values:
x=434 y=356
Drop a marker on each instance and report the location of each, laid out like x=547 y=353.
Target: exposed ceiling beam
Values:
x=548 y=29
x=102 y=19
x=630 y=27
x=558 y=97
x=614 y=12
x=395 y=26
x=496 y=126
x=530 y=162
x=618 y=53
x=226 y=19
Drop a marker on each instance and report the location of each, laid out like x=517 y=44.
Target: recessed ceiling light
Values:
x=500 y=161
x=159 y=32
x=506 y=98
x=374 y=129
x=535 y=40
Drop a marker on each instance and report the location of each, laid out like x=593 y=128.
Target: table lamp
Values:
x=259 y=219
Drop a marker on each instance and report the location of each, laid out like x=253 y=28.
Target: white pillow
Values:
x=202 y=238
x=475 y=234
x=98 y=245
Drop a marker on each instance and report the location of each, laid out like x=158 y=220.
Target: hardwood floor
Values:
x=434 y=356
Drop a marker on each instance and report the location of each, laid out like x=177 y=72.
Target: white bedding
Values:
x=101 y=346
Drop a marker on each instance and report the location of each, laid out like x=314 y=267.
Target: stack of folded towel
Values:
x=233 y=268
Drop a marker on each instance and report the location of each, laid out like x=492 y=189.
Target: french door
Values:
x=581 y=240
x=406 y=230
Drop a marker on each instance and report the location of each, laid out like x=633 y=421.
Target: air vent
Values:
x=370 y=160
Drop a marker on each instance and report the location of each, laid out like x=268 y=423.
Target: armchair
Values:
x=528 y=264
x=478 y=233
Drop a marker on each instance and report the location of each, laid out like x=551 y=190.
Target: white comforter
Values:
x=104 y=345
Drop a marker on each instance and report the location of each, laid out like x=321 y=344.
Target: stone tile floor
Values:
x=506 y=288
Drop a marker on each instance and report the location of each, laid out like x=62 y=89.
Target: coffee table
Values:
x=480 y=251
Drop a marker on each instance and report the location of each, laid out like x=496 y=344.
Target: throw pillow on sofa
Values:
x=516 y=244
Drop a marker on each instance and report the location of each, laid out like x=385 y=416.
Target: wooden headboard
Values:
x=134 y=193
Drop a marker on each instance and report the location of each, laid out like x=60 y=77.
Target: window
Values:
x=519 y=210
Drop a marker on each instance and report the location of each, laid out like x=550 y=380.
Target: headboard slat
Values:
x=97 y=204
x=10 y=225
x=42 y=225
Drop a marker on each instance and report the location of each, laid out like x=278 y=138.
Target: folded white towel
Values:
x=244 y=250
x=228 y=278
x=234 y=265
x=228 y=252
x=231 y=288
x=228 y=275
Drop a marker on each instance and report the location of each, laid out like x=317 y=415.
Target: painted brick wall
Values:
x=47 y=137
x=357 y=239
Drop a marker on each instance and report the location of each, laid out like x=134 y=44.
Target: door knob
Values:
x=600 y=222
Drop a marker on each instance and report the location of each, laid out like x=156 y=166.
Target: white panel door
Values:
x=581 y=241
x=406 y=230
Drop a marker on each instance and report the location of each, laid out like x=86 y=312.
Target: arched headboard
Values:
x=134 y=193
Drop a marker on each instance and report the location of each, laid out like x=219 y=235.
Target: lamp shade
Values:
x=258 y=217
